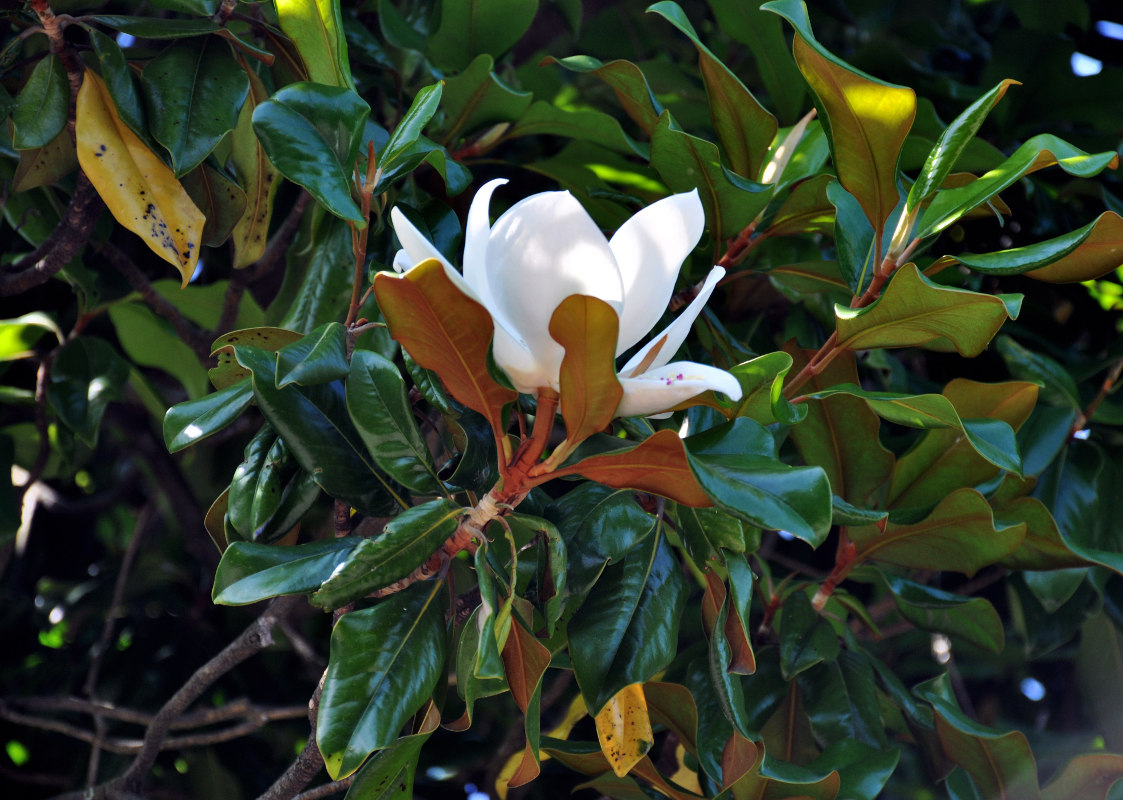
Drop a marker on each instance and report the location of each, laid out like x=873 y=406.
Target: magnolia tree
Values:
x=741 y=498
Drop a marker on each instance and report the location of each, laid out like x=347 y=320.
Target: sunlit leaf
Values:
x=445 y=331
x=866 y=119
x=143 y=194
x=960 y=535
x=257 y=177
x=744 y=128
x=384 y=663
x=590 y=392
x=916 y=312
x=316 y=28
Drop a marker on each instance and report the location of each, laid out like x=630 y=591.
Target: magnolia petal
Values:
x=650 y=248
x=416 y=247
x=665 y=387
x=476 y=232
x=541 y=251
x=525 y=372
x=672 y=337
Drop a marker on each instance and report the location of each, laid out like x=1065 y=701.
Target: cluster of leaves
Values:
x=746 y=593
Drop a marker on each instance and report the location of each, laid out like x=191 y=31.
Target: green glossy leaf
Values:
x=477 y=98
x=255 y=489
x=626 y=630
x=315 y=287
x=1057 y=385
x=945 y=459
x=488 y=663
x=971 y=618
x=993 y=439
x=840 y=698
x=806 y=638
x=193 y=92
x=468 y=29
x=250 y=572
x=203 y=8
x=1082 y=490
x=319 y=357
x=311 y=133
x=388 y=774
x=736 y=465
x=1039 y=152
x=728 y=689
x=384 y=663
x=840 y=434
x=377 y=402
x=952 y=144
x=686 y=162
x=189 y=422
x=763 y=34
x=406 y=542
x=221 y=200
x=762 y=390
x=843 y=513
x=456 y=176
x=42 y=105
x=626 y=80
x=854 y=240
x=866 y=119
x=314 y=423
x=707 y=531
x=863 y=770
x=408 y=130
x=316 y=28
x=599 y=525
x=19 y=335
x=744 y=129
x=149 y=340
x=153 y=28
x=960 y=535
x=916 y=312
x=86 y=376
x=470 y=687
x=1001 y=764
x=805 y=210
x=1086 y=253
x=546 y=119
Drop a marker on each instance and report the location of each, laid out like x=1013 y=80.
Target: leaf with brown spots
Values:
x=140 y=190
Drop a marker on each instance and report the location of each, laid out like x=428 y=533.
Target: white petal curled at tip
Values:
x=657 y=390
x=650 y=249
x=675 y=334
x=477 y=230
x=541 y=251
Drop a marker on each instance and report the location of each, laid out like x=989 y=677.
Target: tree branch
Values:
x=71 y=235
x=197 y=340
x=253 y=639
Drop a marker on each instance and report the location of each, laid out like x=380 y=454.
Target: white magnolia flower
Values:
x=546 y=248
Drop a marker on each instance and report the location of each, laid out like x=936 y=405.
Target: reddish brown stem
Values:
x=1105 y=389
x=845 y=560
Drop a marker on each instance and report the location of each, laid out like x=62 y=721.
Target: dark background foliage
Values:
x=116 y=527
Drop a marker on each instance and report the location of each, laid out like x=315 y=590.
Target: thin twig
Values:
x=102 y=646
x=1105 y=389
x=122 y=746
x=235 y=709
x=253 y=639
x=197 y=340
x=42 y=378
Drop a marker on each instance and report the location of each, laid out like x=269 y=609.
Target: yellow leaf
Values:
x=624 y=729
x=257 y=177
x=140 y=190
x=684 y=776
